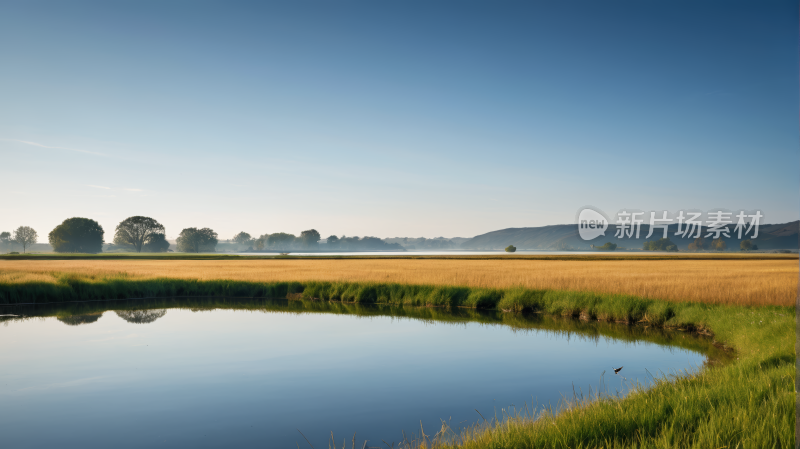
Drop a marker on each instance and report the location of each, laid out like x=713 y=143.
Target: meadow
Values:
x=745 y=305
x=738 y=280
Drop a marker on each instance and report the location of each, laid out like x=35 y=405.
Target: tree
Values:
x=25 y=236
x=663 y=244
x=136 y=231
x=333 y=241
x=563 y=246
x=243 y=238
x=193 y=240
x=746 y=245
x=77 y=235
x=607 y=247
x=280 y=240
x=5 y=238
x=698 y=244
x=719 y=245
x=511 y=248
x=156 y=243
x=310 y=238
x=261 y=242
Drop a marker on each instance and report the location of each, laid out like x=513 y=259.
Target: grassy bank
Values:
x=747 y=403
x=740 y=282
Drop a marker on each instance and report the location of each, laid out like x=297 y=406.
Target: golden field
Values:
x=740 y=281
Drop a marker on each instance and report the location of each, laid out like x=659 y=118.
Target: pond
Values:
x=245 y=372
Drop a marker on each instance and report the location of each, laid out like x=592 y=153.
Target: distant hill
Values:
x=778 y=236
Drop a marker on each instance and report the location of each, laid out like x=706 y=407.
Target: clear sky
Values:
x=429 y=119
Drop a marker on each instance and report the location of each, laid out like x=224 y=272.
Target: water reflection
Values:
x=141 y=316
x=77 y=320
x=149 y=310
x=243 y=372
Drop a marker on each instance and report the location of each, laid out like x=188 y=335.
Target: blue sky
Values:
x=394 y=118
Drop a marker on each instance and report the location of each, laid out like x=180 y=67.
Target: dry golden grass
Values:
x=742 y=282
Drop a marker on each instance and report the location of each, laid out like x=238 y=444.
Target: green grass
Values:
x=746 y=403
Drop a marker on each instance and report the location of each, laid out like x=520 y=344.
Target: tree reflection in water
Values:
x=141 y=316
x=77 y=320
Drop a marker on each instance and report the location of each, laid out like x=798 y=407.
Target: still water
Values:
x=225 y=374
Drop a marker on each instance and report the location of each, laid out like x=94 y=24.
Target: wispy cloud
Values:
x=53 y=148
x=134 y=190
x=98 y=187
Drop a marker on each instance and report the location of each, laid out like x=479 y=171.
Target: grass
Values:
x=739 y=281
x=746 y=403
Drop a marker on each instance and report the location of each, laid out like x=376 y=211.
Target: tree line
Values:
x=138 y=233
x=699 y=244
x=309 y=240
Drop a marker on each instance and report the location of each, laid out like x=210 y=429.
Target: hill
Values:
x=554 y=237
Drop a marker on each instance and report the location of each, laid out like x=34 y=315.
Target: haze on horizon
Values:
x=409 y=119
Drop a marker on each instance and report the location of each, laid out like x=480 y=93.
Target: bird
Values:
x=616 y=370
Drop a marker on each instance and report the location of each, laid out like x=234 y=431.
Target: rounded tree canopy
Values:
x=76 y=320
x=141 y=316
x=310 y=237
x=156 y=243
x=77 y=235
x=242 y=238
x=280 y=240
x=511 y=248
x=136 y=231
x=193 y=240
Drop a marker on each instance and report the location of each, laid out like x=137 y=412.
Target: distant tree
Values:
x=511 y=248
x=367 y=244
x=755 y=247
x=746 y=245
x=5 y=237
x=607 y=247
x=280 y=240
x=193 y=240
x=77 y=235
x=663 y=244
x=25 y=236
x=156 y=243
x=699 y=244
x=136 y=231
x=561 y=245
x=719 y=245
x=310 y=238
x=261 y=242
x=243 y=238
x=333 y=241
